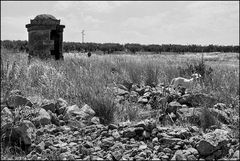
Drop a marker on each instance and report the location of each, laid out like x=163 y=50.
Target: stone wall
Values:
x=40 y=44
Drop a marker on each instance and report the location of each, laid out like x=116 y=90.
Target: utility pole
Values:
x=83 y=36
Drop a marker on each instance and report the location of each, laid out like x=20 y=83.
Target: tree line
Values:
x=108 y=48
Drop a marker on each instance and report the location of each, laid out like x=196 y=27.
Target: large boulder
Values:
x=147 y=124
x=6 y=116
x=197 y=99
x=70 y=111
x=173 y=107
x=220 y=115
x=54 y=119
x=191 y=115
x=43 y=118
x=21 y=135
x=129 y=133
x=14 y=101
x=86 y=112
x=186 y=154
x=214 y=144
x=61 y=105
x=49 y=105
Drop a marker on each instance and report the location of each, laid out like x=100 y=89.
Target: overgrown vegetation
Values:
x=83 y=80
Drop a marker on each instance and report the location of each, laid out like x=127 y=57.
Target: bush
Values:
x=151 y=75
x=127 y=111
x=103 y=105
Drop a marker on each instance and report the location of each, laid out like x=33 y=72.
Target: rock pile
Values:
x=69 y=132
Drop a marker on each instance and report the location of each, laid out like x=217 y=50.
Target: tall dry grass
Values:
x=79 y=79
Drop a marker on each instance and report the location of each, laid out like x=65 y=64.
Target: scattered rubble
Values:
x=70 y=132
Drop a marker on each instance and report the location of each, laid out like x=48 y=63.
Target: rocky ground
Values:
x=57 y=130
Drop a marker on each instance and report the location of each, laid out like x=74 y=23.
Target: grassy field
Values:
x=79 y=79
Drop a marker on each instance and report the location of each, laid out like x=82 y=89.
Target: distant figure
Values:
x=89 y=54
x=29 y=59
x=185 y=83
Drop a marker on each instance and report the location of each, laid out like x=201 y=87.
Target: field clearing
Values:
x=212 y=59
x=96 y=81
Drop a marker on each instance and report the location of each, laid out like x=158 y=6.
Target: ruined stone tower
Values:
x=45 y=36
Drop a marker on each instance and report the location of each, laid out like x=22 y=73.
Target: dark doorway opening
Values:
x=56 y=38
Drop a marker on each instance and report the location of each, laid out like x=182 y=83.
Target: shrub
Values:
x=103 y=105
x=134 y=71
x=127 y=111
x=151 y=75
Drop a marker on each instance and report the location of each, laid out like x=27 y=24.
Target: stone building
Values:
x=45 y=36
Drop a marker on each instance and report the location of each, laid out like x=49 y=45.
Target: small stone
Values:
x=88 y=144
x=60 y=117
x=179 y=155
x=72 y=144
x=116 y=135
x=142 y=147
x=193 y=151
x=63 y=149
x=117 y=155
x=95 y=120
x=142 y=100
x=104 y=133
x=167 y=150
x=157 y=148
x=193 y=129
x=164 y=158
x=62 y=123
x=107 y=142
x=176 y=147
x=154 y=132
x=146 y=135
x=34 y=157
x=112 y=126
x=129 y=133
x=191 y=157
x=53 y=148
x=75 y=133
x=142 y=154
x=48 y=143
x=173 y=107
x=155 y=140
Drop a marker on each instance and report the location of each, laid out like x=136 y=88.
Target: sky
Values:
x=144 y=22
